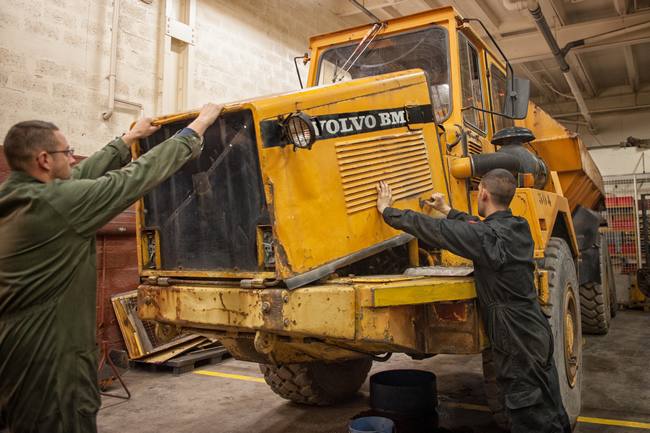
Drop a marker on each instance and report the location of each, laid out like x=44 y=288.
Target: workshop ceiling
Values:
x=612 y=68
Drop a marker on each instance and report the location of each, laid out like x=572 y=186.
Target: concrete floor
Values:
x=616 y=387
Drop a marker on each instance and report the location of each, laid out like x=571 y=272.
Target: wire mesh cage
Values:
x=627 y=201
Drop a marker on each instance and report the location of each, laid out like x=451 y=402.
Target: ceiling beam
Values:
x=493 y=19
x=346 y=9
x=573 y=59
x=602 y=104
x=582 y=72
x=631 y=67
x=530 y=46
x=558 y=10
x=533 y=79
x=621 y=7
x=473 y=10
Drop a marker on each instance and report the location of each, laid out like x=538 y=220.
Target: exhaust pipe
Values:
x=511 y=156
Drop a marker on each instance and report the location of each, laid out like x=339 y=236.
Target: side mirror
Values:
x=517 y=95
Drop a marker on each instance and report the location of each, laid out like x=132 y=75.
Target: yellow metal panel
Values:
x=401 y=159
x=423 y=292
x=321 y=310
x=189 y=273
x=395 y=326
x=300 y=191
x=541 y=209
x=564 y=152
x=208 y=306
x=326 y=311
x=393 y=290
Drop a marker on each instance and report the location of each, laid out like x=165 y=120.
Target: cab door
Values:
x=496 y=82
x=476 y=122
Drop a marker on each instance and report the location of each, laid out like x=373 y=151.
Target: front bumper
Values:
x=416 y=315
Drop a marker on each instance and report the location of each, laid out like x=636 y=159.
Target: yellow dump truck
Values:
x=271 y=241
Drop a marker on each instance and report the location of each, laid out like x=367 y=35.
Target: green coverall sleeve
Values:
x=473 y=240
x=114 y=155
x=88 y=204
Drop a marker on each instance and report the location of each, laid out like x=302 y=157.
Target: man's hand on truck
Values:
x=385 y=199
x=384 y=196
x=438 y=203
x=207 y=116
x=143 y=128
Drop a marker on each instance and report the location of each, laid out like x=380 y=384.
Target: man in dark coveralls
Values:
x=501 y=248
x=49 y=213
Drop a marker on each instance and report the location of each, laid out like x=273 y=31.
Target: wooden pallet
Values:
x=184 y=363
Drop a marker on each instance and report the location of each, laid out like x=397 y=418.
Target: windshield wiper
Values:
x=359 y=50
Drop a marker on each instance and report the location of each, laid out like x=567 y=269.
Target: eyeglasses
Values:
x=68 y=152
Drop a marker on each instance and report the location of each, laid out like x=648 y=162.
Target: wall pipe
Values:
x=112 y=76
x=519 y=5
x=113 y=65
x=543 y=27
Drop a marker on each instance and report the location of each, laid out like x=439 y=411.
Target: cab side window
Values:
x=470 y=74
x=498 y=89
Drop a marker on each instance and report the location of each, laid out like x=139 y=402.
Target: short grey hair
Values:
x=24 y=139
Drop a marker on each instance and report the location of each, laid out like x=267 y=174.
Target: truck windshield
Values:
x=425 y=49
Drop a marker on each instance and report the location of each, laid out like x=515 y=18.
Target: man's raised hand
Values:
x=209 y=113
x=142 y=129
x=438 y=203
x=384 y=196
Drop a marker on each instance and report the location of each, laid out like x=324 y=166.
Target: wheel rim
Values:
x=571 y=342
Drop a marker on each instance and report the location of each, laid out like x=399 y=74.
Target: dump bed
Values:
x=564 y=152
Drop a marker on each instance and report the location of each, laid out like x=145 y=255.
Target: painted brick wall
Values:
x=246 y=48
x=54 y=58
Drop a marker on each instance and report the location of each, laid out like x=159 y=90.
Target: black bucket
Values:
x=408 y=397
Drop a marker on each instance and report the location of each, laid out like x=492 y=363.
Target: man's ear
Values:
x=484 y=195
x=43 y=160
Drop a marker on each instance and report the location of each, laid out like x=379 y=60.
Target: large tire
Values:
x=567 y=336
x=317 y=383
x=609 y=276
x=596 y=306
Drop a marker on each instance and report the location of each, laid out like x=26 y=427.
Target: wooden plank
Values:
x=162 y=356
x=178 y=340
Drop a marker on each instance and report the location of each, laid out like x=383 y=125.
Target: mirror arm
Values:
x=305 y=59
x=488 y=111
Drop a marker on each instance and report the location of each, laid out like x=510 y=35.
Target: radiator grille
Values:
x=399 y=159
x=474 y=148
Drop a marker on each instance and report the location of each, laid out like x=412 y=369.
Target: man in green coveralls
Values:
x=49 y=213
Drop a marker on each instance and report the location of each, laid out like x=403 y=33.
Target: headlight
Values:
x=299 y=130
